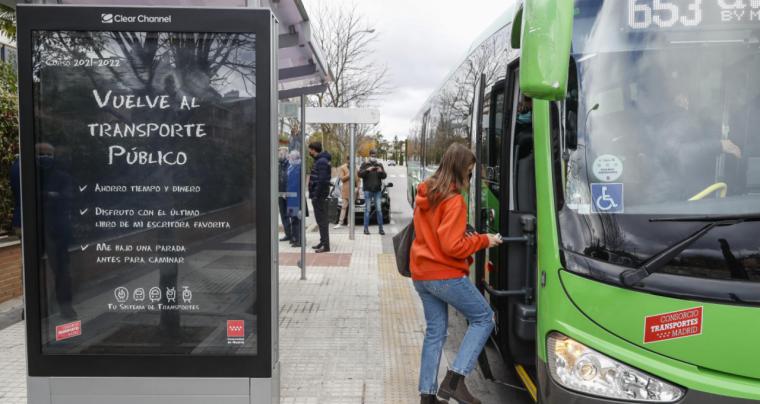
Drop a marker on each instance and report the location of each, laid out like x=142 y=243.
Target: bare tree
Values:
x=346 y=38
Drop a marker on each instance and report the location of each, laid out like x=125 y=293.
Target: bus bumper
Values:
x=552 y=393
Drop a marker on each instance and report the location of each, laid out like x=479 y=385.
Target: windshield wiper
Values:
x=660 y=260
x=750 y=217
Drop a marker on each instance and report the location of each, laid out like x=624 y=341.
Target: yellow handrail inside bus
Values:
x=721 y=186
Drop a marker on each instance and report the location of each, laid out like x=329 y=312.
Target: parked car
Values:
x=391 y=163
x=336 y=204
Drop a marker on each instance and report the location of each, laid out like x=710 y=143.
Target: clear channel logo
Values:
x=110 y=18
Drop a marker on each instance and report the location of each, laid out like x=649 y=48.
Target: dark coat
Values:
x=372 y=180
x=294 y=189
x=319 y=179
x=283 y=176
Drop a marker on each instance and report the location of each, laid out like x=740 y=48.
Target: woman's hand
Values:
x=494 y=240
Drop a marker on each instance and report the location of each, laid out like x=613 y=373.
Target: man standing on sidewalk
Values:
x=319 y=190
x=282 y=199
x=372 y=174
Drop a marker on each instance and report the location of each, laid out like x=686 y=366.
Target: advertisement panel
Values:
x=146 y=138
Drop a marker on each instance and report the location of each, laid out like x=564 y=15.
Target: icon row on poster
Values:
x=154 y=294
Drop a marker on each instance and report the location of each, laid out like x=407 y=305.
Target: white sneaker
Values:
x=337 y=226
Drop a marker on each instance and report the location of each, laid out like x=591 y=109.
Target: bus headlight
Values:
x=580 y=368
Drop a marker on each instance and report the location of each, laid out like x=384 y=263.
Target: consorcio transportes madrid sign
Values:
x=69 y=330
x=677 y=324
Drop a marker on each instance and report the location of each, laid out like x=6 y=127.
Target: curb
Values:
x=11 y=312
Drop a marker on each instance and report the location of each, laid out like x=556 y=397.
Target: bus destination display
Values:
x=692 y=14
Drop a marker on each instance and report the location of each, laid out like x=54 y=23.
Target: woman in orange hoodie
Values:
x=440 y=262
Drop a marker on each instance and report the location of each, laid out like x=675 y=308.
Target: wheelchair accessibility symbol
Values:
x=608 y=198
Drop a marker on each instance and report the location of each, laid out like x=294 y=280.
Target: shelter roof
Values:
x=302 y=67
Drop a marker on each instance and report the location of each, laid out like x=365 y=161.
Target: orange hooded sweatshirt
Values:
x=440 y=249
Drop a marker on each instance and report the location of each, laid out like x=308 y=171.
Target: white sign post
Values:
x=353 y=117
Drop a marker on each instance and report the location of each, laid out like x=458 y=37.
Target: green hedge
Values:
x=8 y=140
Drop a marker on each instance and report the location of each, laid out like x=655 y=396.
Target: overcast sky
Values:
x=420 y=41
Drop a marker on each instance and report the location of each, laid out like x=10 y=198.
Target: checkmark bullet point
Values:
x=83 y=211
x=84 y=247
x=81 y=189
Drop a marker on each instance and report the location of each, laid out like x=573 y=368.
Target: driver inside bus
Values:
x=691 y=144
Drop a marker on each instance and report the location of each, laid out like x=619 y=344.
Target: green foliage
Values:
x=8 y=140
x=8 y=22
x=330 y=144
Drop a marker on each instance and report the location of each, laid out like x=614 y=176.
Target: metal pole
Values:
x=303 y=188
x=352 y=183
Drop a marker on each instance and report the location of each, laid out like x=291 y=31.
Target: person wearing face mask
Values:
x=293 y=197
x=525 y=111
x=689 y=144
x=440 y=259
x=282 y=188
x=372 y=174
x=319 y=190
x=345 y=193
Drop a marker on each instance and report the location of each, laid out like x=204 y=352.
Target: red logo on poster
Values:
x=66 y=331
x=235 y=328
x=678 y=324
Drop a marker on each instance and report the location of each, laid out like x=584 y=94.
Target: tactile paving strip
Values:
x=316 y=260
x=403 y=332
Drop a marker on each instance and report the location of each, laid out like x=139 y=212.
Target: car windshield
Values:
x=666 y=103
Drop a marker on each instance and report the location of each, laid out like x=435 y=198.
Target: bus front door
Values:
x=508 y=208
x=520 y=227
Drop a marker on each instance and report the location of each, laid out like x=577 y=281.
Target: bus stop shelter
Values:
x=150 y=223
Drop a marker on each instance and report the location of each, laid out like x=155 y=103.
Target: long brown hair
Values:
x=452 y=175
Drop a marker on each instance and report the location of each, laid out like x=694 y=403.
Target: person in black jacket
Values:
x=372 y=174
x=319 y=190
x=282 y=189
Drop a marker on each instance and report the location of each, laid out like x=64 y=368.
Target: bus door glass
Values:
x=492 y=155
x=517 y=271
x=474 y=138
x=491 y=141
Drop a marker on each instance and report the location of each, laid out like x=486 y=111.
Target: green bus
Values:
x=618 y=146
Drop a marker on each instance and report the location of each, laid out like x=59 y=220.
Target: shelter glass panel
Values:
x=145 y=145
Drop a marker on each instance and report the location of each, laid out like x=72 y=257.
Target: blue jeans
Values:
x=368 y=197
x=436 y=297
x=283 y=205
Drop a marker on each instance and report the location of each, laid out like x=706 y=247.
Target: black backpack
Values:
x=402 y=245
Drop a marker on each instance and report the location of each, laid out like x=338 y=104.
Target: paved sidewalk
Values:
x=350 y=333
x=337 y=338
x=13 y=364
x=11 y=312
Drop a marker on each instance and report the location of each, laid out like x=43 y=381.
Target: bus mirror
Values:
x=517 y=28
x=547 y=27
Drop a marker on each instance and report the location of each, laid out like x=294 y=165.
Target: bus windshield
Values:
x=663 y=120
x=666 y=118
